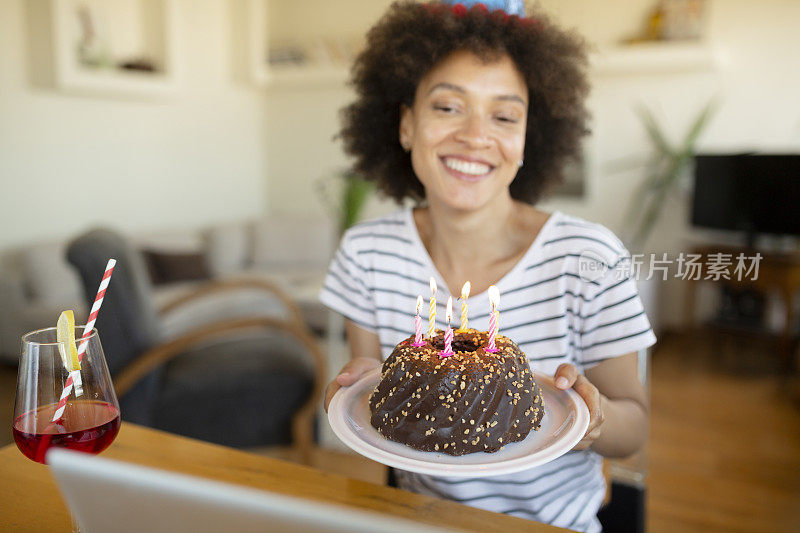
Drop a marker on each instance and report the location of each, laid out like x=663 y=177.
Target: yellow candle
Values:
x=432 y=310
x=464 y=296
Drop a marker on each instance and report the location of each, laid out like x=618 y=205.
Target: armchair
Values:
x=239 y=378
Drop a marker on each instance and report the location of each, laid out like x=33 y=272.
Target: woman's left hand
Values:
x=567 y=376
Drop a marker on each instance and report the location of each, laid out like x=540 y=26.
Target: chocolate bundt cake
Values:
x=472 y=401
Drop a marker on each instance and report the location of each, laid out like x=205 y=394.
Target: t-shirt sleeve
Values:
x=612 y=321
x=347 y=290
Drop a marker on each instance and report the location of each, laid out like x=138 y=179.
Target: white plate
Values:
x=565 y=420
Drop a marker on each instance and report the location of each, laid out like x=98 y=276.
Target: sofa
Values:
x=37 y=283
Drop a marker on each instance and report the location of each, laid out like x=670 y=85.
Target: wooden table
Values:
x=29 y=499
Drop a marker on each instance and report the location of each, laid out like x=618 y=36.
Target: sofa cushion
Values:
x=228 y=249
x=229 y=304
x=184 y=241
x=292 y=241
x=171 y=267
x=48 y=277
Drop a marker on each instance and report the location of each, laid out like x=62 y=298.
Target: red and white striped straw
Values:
x=98 y=301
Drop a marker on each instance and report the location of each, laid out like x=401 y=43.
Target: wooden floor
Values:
x=725 y=438
x=724 y=452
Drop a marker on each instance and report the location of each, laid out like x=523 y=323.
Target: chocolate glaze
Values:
x=473 y=401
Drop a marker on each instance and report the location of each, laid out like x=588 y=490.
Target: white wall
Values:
x=70 y=162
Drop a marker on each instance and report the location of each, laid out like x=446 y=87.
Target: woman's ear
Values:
x=406 y=127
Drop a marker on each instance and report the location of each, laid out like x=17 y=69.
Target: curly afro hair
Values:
x=411 y=38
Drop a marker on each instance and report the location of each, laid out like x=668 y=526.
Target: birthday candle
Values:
x=464 y=296
x=448 y=332
x=432 y=311
x=494 y=317
x=418 y=324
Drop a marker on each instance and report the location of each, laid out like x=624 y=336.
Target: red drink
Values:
x=87 y=426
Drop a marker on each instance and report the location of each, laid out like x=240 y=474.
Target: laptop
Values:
x=108 y=495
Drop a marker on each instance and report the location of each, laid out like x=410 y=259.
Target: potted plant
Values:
x=345 y=194
x=666 y=171
x=667 y=168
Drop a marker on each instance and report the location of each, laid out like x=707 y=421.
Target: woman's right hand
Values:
x=349 y=374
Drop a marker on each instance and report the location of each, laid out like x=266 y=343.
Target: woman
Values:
x=472 y=114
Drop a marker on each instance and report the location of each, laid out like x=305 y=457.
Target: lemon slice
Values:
x=65 y=335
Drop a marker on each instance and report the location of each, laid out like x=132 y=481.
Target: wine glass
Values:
x=91 y=418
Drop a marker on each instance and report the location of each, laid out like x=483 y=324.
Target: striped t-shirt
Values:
x=570 y=299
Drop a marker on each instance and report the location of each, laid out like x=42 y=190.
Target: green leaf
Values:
x=698 y=126
x=356 y=193
x=344 y=194
x=665 y=170
x=654 y=131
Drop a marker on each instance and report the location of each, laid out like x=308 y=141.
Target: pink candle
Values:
x=418 y=325
x=494 y=317
x=432 y=312
x=448 y=333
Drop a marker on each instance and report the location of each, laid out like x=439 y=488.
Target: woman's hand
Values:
x=568 y=376
x=349 y=374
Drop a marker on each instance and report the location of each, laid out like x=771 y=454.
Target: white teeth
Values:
x=466 y=167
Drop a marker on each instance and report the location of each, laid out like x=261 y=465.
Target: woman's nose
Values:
x=474 y=131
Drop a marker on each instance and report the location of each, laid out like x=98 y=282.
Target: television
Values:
x=750 y=193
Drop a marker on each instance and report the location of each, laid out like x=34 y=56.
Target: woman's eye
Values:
x=445 y=108
x=507 y=119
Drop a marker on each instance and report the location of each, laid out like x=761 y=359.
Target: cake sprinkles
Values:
x=471 y=401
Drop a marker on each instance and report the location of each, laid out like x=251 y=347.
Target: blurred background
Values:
x=202 y=133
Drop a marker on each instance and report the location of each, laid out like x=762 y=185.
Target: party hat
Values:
x=512 y=7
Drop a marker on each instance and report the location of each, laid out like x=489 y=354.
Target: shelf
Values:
x=326 y=42
x=151 y=34
x=267 y=26
x=654 y=58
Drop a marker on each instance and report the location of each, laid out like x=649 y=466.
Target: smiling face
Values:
x=466 y=130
